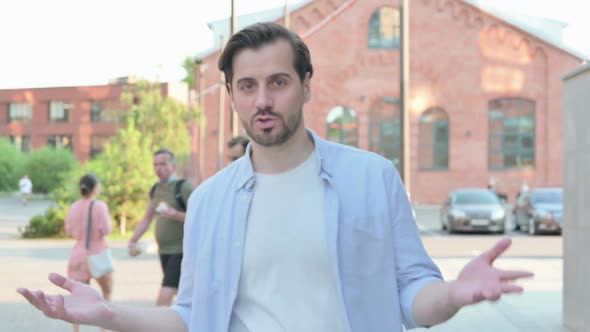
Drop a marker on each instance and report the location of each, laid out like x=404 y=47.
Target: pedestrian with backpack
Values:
x=167 y=204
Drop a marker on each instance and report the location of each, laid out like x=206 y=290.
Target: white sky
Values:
x=85 y=42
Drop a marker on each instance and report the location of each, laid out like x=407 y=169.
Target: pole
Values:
x=404 y=89
x=234 y=119
x=221 y=123
x=287 y=18
x=202 y=120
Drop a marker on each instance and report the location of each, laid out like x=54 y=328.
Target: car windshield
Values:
x=548 y=197
x=480 y=197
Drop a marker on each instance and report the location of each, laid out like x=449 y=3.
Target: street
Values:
x=26 y=263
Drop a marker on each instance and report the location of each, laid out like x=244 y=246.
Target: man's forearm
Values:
x=140 y=230
x=432 y=305
x=180 y=216
x=129 y=319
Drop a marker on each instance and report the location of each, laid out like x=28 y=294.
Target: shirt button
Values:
x=237 y=244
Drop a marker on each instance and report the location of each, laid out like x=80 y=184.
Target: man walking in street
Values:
x=167 y=203
x=26 y=189
x=236 y=148
x=301 y=234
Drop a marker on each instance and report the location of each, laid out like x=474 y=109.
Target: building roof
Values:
x=545 y=29
x=222 y=27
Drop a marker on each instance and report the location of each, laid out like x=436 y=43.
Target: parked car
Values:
x=539 y=210
x=473 y=210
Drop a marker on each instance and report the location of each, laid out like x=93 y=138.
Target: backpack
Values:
x=177 y=194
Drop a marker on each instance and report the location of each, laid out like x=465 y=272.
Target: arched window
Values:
x=384 y=28
x=385 y=130
x=434 y=139
x=511 y=130
x=342 y=126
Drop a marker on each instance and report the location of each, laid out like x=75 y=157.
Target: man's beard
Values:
x=267 y=138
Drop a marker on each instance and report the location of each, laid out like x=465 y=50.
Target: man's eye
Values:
x=247 y=86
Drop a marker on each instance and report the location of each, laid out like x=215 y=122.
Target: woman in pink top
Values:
x=76 y=227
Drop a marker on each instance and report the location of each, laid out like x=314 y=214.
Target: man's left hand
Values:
x=169 y=213
x=480 y=281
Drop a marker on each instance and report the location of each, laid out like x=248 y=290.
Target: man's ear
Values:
x=231 y=97
x=307 y=87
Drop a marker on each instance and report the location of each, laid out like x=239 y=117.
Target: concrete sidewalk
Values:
x=26 y=263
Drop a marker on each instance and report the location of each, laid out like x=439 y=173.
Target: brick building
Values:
x=485 y=90
x=78 y=118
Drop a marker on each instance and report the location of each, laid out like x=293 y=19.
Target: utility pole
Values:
x=202 y=119
x=287 y=18
x=221 y=122
x=404 y=90
x=235 y=120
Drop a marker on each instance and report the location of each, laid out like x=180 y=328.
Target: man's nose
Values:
x=263 y=99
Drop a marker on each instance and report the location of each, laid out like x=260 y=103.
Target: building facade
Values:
x=485 y=92
x=82 y=119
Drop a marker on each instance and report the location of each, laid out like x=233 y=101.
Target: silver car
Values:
x=473 y=210
x=539 y=211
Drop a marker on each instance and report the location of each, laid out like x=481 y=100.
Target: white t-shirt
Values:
x=25 y=185
x=287 y=283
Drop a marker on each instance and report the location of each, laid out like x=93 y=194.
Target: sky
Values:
x=87 y=42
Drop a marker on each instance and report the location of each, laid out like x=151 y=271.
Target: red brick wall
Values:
x=79 y=125
x=461 y=58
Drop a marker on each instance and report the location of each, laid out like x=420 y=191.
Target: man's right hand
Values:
x=132 y=249
x=84 y=305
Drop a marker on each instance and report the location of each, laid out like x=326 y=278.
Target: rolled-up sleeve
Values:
x=414 y=267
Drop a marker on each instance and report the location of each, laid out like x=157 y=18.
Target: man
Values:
x=26 y=188
x=167 y=202
x=236 y=147
x=299 y=235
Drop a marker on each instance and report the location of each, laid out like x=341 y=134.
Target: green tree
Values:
x=126 y=173
x=164 y=121
x=11 y=166
x=189 y=67
x=49 y=168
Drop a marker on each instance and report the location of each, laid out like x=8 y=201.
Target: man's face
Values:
x=163 y=166
x=267 y=93
x=235 y=152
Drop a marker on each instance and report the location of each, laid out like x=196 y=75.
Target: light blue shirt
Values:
x=374 y=245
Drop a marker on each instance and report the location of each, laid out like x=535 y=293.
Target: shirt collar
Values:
x=245 y=169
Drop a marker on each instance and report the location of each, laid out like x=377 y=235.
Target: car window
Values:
x=548 y=197
x=476 y=197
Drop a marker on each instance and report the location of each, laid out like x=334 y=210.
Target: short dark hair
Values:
x=242 y=140
x=166 y=151
x=258 y=35
x=87 y=184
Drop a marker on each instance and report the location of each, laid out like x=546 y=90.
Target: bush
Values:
x=49 y=168
x=51 y=224
x=11 y=166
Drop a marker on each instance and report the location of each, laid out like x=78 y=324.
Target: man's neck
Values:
x=168 y=180
x=279 y=159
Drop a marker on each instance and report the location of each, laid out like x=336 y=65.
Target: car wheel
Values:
x=450 y=228
x=532 y=226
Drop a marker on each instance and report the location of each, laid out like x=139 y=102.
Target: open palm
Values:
x=84 y=305
x=481 y=281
